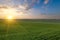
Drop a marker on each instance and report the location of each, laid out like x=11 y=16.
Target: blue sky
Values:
x=53 y=7
x=32 y=9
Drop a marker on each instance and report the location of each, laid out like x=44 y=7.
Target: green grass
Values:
x=30 y=30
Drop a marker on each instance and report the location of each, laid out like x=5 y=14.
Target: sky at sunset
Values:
x=30 y=9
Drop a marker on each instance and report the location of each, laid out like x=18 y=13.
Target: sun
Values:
x=10 y=17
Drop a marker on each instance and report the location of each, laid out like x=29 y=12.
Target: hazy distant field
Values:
x=30 y=30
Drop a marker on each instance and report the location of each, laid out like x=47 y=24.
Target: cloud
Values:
x=7 y=0
x=28 y=5
x=6 y=10
x=13 y=11
x=46 y=1
x=24 y=10
x=2 y=6
x=22 y=7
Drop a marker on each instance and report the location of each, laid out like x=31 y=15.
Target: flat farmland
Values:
x=30 y=29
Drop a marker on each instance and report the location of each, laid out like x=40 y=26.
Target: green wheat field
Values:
x=30 y=29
